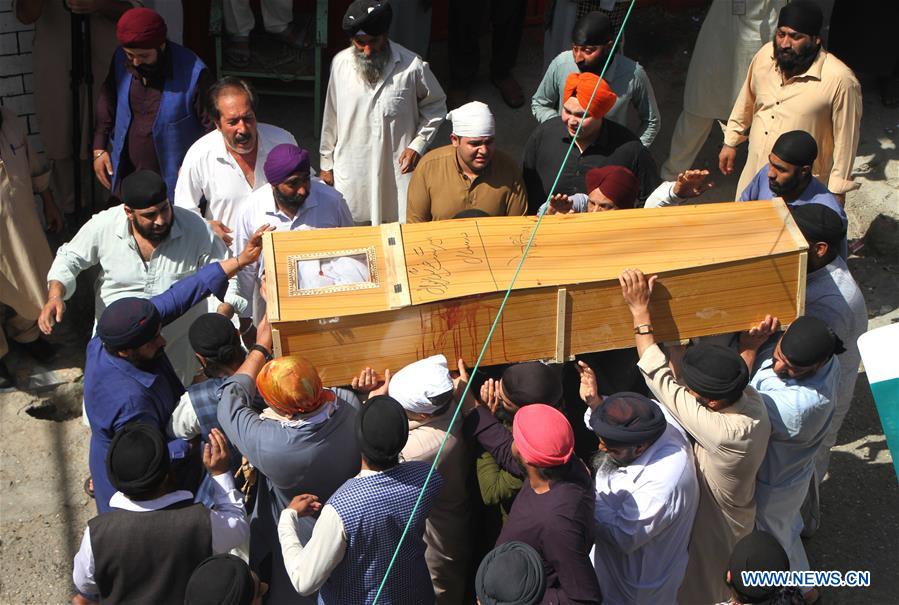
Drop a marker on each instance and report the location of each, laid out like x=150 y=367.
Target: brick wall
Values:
x=16 y=80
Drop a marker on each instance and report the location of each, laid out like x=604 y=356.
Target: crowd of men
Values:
x=223 y=475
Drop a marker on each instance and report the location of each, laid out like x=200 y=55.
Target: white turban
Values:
x=414 y=385
x=472 y=120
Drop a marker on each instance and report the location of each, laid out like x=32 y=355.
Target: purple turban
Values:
x=283 y=160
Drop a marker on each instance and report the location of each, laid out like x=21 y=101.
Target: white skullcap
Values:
x=417 y=382
x=473 y=120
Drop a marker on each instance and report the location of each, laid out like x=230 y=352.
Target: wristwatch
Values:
x=265 y=352
x=643 y=329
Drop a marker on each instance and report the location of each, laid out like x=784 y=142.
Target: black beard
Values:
x=787 y=188
x=149 y=234
x=596 y=68
x=795 y=62
x=290 y=202
x=503 y=415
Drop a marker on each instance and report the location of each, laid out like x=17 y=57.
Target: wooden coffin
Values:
x=438 y=287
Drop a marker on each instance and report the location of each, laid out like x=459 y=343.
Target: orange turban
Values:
x=580 y=86
x=291 y=385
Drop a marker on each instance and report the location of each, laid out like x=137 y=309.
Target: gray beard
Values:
x=371 y=68
x=603 y=465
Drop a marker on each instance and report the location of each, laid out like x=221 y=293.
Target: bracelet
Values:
x=99 y=153
x=265 y=352
x=643 y=329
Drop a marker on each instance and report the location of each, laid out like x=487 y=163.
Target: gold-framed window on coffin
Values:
x=361 y=262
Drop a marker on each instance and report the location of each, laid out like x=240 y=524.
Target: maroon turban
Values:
x=141 y=28
x=616 y=183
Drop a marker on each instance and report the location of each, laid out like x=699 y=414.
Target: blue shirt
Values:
x=117 y=392
x=815 y=193
x=800 y=411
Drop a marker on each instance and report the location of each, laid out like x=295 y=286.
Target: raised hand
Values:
x=305 y=505
x=692 y=183
x=216 y=456
x=588 y=391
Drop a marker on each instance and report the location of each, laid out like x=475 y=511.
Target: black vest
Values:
x=147 y=558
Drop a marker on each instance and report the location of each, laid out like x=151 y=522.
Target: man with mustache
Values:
x=470 y=173
x=646 y=496
x=797 y=376
x=292 y=200
x=152 y=106
x=224 y=167
x=127 y=375
x=142 y=247
x=794 y=84
x=788 y=175
x=591 y=44
x=382 y=110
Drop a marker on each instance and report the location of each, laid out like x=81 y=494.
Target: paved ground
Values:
x=43 y=445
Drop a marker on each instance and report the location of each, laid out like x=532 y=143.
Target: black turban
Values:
x=382 y=428
x=819 y=223
x=758 y=551
x=809 y=341
x=532 y=382
x=137 y=461
x=511 y=574
x=715 y=372
x=628 y=419
x=220 y=580
x=128 y=323
x=796 y=147
x=802 y=15
x=367 y=17
x=143 y=189
x=592 y=29
x=471 y=213
x=213 y=335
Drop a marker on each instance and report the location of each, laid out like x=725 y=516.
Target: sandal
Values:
x=88 y=487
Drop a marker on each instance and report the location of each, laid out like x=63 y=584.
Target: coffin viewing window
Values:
x=334 y=271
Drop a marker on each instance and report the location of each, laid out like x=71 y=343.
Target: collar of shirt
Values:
x=123 y=502
x=123 y=229
x=635 y=469
x=464 y=176
x=263 y=146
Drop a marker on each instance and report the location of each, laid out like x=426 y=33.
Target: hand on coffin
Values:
x=560 y=204
x=305 y=505
x=589 y=391
x=691 y=183
x=637 y=291
x=459 y=383
x=367 y=382
x=216 y=456
x=264 y=333
x=753 y=338
x=490 y=395
x=250 y=253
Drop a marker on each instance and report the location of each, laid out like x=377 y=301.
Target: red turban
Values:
x=581 y=85
x=290 y=386
x=543 y=436
x=141 y=28
x=616 y=183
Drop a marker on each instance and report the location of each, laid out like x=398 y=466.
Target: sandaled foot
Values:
x=296 y=36
x=89 y=487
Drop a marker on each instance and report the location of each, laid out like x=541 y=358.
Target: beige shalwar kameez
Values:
x=729 y=446
x=24 y=254
x=825 y=101
x=446 y=531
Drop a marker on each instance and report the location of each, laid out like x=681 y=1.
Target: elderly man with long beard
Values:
x=382 y=110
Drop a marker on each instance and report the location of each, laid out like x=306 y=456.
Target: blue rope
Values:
x=498 y=314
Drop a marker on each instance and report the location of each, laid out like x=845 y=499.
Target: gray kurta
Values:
x=291 y=460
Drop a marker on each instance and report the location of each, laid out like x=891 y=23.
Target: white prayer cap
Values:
x=414 y=385
x=473 y=120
